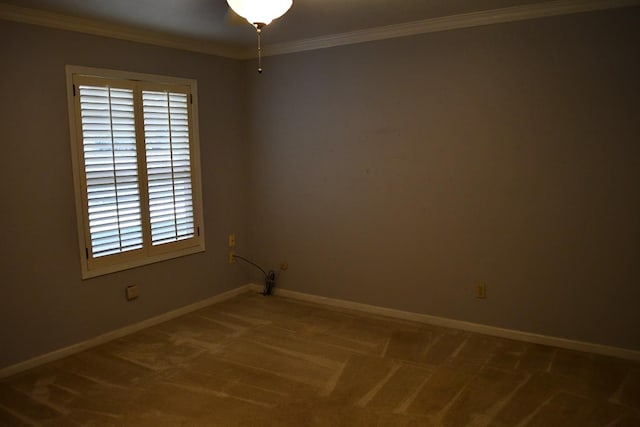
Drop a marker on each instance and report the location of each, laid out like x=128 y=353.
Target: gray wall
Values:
x=399 y=173
x=395 y=173
x=44 y=304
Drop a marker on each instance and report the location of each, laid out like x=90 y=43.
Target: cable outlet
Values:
x=132 y=292
x=481 y=290
x=232 y=257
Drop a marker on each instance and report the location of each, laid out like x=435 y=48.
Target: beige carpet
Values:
x=272 y=361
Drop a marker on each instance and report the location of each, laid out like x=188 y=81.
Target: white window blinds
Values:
x=166 y=134
x=137 y=168
x=110 y=161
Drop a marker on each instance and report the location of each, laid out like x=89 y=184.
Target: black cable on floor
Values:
x=269 y=278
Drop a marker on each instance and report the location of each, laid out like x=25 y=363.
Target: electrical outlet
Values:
x=284 y=265
x=481 y=290
x=232 y=257
x=132 y=292
x=232 y=240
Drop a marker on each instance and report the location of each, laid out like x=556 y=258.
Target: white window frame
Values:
x=93 y=267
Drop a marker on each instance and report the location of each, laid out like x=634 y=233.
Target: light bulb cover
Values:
x=260 y=11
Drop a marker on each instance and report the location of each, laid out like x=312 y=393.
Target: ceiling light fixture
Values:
x=260 y=13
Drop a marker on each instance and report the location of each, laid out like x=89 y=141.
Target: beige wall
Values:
x=44 y=304
x=399 y=173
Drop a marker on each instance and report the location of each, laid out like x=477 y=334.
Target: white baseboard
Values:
x=332 y=302
x=109 y=336
x=467 y=326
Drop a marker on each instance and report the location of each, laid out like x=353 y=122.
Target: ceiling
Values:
x=208 y=21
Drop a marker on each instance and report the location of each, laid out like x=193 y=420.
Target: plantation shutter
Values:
x=166 y=133
x=136 y=166
x=110 y=167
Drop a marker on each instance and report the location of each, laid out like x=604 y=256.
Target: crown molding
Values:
x=446 y=23
x=123 y=32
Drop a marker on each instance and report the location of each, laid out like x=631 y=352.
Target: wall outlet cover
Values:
x=481 y=290
x=132 y=292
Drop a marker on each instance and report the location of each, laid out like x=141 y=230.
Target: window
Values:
x=134 y=142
